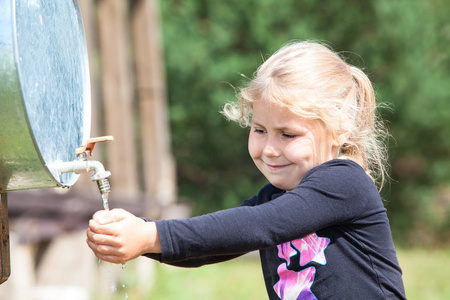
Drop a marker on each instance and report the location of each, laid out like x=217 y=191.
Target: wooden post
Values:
x=117 y=97
x=4 y=248
x=159 y=166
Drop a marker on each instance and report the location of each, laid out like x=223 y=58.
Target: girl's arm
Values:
x=118 y=236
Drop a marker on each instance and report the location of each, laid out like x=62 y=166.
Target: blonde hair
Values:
x=315 y=83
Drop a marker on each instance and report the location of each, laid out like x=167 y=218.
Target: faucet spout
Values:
x=81 y=165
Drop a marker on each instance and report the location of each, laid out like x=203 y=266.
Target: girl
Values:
x=320 y=225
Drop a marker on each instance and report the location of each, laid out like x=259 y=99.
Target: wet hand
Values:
x=118 y=236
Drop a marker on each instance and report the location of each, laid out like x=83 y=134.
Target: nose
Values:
x=271 y=148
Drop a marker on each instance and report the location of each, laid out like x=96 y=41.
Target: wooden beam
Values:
x=4 y=247
x=117 y=94
x=159 y=166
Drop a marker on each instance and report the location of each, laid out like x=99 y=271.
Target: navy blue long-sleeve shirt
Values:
x=329 y=238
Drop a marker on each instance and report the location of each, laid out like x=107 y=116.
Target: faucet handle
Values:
x=90 y=143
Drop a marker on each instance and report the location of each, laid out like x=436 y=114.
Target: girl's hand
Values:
x=118 y=236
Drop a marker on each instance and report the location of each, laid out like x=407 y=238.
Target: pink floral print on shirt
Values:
x=297 y=285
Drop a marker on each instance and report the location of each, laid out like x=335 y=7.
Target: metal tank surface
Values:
x=44 y=92
x=44 y=104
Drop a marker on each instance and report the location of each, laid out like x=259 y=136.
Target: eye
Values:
x=259 y=130
x=289 y=135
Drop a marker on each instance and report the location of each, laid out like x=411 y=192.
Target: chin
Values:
x=283 y=187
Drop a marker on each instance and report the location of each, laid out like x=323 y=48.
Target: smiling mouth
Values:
x=275 y=167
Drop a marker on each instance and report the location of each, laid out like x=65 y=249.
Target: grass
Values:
x=241 y=279
x=426 y=273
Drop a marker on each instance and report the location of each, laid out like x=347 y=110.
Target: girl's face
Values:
x=284 y=146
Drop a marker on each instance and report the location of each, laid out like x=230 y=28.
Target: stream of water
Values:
x=105 y=201
x=107 y=271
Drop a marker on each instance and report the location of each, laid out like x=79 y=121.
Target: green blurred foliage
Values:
x=212 y=47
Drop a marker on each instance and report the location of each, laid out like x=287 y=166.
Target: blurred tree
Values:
x=212 y=48
x=414 y=38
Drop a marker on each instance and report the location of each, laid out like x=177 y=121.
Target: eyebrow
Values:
x=253 y=122
x=296 y=128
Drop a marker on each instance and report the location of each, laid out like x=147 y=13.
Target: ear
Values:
x=342 y=135
x=341 y=138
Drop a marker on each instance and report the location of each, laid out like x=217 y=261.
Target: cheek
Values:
x=254 y=148
x=301 y=150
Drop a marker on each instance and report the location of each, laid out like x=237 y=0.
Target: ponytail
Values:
x=366 y=142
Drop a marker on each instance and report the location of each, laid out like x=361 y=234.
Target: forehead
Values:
x=267 y=112
x=263 y=107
